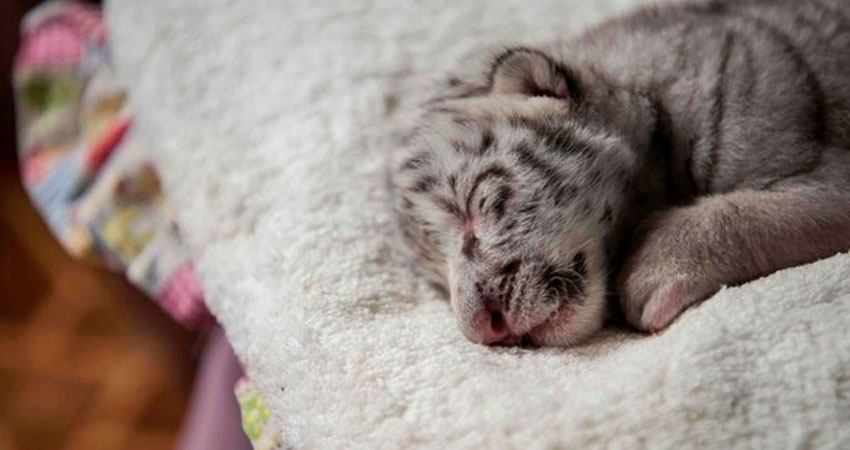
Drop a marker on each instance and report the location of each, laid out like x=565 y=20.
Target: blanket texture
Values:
x=269 y=123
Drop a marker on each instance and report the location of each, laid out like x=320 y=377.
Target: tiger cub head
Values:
x=509 y=190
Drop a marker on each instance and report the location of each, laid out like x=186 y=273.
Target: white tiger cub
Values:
x=655 y=158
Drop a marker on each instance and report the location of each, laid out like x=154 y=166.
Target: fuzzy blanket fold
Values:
x=268 y=121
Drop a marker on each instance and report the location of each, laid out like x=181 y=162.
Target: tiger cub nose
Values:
x=492 y=327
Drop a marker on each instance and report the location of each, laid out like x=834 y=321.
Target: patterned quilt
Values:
x=92 y=179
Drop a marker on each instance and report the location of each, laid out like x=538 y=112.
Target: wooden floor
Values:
x=86 y=361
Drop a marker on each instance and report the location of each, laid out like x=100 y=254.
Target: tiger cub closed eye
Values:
x=655 y=158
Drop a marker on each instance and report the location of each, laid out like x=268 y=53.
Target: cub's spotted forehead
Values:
x=541 y=159
x=560 y=154
x=509 y=181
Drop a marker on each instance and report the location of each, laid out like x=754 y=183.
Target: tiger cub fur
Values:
x=653 y=159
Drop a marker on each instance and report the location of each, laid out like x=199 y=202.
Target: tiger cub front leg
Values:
x=686 y=254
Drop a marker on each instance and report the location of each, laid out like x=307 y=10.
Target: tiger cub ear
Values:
x=533 y=73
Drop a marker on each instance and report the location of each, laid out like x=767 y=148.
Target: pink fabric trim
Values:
x=182 y=298
x=53 y=45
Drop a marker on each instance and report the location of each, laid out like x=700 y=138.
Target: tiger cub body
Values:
x=655 y=158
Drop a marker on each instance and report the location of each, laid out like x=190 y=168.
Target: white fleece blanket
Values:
x=267 y=121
